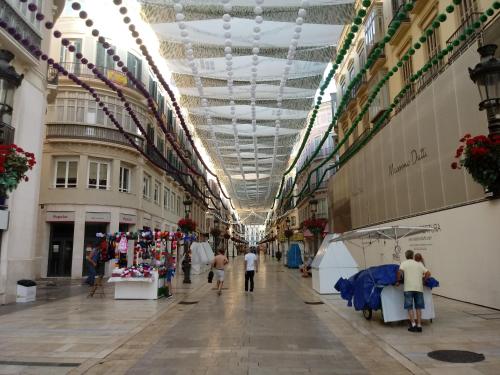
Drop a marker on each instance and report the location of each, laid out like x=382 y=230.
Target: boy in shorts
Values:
x=219 y=263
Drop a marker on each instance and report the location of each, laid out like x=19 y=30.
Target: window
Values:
x=68 y=59
x=406 y=72
x=153 y=87
x=432 y=48
x=66 y=174
x=361 y=56
x=467 y=8
x=172 y=202
x=381 y=102
x=124 y=185
x=351 y=72
x=166 y=198
x=98 y=173
x=179 y=205
x=156 y=192
x=161 y=103
x=103 y=59
x=146 y=186
x=374 y=28
x=134 y=65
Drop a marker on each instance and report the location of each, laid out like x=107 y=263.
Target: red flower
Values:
x=454 y=165
x=470 y=142
x=467 y=135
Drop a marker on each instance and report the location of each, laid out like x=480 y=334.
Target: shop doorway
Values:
x=123 y=227
x=90 y=238
x=60 y=249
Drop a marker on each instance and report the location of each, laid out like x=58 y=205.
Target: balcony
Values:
x=397 y=7
x=82 y=71
x=23 y=27
x=89 y=132
x=473 y=17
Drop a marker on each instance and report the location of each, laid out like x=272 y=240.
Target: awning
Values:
x=395 y=232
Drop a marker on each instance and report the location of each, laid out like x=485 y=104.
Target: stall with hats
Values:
x=140 y=261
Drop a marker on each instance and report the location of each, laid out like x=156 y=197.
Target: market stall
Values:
x=140 y=262
x=374 y=288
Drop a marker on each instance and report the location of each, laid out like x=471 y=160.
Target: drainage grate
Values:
x=456 y=356
x=40 y=364
x=314 y=303
x=188 y=302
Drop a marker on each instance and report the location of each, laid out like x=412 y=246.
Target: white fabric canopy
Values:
x=263 y=92
x=248 y=72
x=273 y=34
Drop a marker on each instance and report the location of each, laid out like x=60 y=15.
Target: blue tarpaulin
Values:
x=294 y=258
x=364 y=288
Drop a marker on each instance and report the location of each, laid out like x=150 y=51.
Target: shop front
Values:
x=60 y=243
x=127 y=222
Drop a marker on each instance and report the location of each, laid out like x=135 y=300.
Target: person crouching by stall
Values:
x=170 y=274
x=414 y=272
x=92 y=258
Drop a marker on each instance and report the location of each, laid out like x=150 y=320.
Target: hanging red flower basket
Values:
x=215 y=232
x=480 y=156
x=14 y=163
x=314 y=225
x=227 y=236
x=187 y=225
x=288 y=233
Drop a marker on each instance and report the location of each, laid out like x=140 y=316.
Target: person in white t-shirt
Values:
x=414 y=272
x=251 y=267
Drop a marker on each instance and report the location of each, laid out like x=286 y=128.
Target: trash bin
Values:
x=26 y=291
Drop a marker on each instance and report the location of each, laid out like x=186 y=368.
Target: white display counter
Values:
x=393 y=304
x=137 y=287
x=332 y=261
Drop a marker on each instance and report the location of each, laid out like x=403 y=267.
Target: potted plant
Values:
x=480 y=156
x=288 y=233
x=14 y=163
x=186 y=225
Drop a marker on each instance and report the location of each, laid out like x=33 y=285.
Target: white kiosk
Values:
x=332 y=261
x=208 y=251
x=199 y=258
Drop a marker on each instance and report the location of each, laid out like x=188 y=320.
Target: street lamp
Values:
x=187 y=206
x=313 y=205
x=186 y=266
x=9 y=82
x=486 y=75
x=288 y=231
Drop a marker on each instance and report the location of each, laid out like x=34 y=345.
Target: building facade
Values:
x=18 y=234
x=93 y=179
x=402 y=175
x=253 y=234
x=297 y=210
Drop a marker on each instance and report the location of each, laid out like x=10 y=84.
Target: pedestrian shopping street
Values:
x=272 y=331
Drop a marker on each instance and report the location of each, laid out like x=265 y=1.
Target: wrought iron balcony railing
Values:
x=91 y=132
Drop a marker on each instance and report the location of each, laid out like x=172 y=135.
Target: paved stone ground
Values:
x=271 y=331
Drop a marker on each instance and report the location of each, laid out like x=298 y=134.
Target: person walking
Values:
x=413 y=272
x=251 y=267
x=219 y=263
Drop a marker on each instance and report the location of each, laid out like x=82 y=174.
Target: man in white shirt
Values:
x=414 y=272
x=251 y=267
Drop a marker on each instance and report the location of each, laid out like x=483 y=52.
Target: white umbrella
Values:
x=395 y=233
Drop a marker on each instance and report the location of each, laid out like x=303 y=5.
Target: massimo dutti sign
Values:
x=413 y=158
